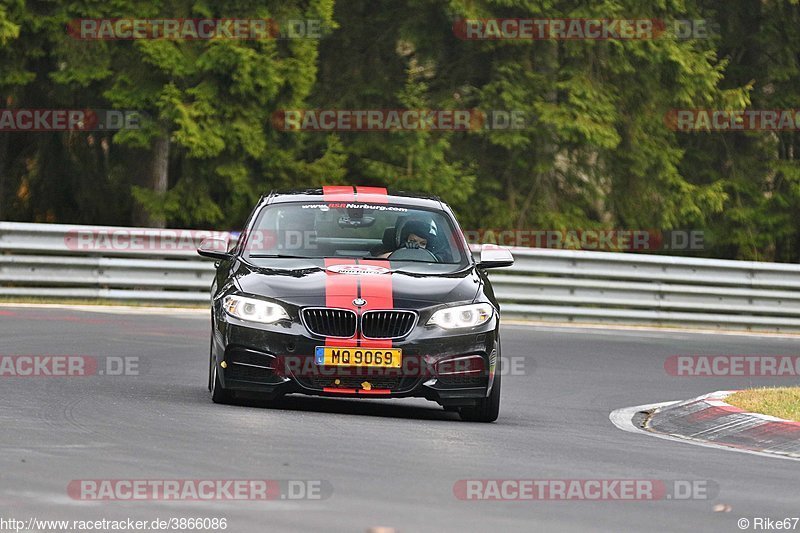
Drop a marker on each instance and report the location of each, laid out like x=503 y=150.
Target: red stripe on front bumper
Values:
x=338 y=391
x=376 y=392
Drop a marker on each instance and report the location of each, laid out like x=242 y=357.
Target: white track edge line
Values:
x=623 y=419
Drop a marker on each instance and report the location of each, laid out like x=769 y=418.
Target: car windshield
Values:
x=356 y=231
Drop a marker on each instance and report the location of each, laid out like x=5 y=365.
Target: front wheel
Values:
x=488 y=409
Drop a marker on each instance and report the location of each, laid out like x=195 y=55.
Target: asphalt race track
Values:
x=391 y=463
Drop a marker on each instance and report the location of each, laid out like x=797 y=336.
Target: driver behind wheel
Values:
x=415 y=234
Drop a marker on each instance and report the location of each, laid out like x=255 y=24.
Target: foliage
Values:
x=595 y=151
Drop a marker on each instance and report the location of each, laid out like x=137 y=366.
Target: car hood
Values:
x=335 y=283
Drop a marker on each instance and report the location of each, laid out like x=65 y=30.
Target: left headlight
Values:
x=253 y=310
x=462 y=316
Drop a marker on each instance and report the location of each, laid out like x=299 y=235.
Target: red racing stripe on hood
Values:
x=340 y=291
x=376 y=289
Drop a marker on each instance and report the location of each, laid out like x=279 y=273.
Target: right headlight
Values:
x=462 y=316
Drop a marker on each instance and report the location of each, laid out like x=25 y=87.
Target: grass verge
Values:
x=782 y=402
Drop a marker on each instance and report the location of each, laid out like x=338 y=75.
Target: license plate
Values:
x=353 y=356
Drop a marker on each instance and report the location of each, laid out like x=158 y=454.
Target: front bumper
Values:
x=275 y=360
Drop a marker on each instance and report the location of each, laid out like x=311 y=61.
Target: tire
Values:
x=488 y=409
x=210 y=371
x=218 y=394
x=211 y=352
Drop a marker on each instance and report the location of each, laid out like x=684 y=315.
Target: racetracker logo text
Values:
x=733 y=365
x=190 y=490
x=25 y=120
x=53 y=366
x=194 y=29
x=578 y=29
x=630 y=240
x=726 y=120
x=330 y=120
x=584 y=489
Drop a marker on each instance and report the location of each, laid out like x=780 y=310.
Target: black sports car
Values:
x=355 y=292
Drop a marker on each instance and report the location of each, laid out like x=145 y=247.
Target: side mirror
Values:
x=495 y=258
x=214 y=249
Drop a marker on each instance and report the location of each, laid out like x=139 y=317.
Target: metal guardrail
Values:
x=115 y=263
x=47 y=260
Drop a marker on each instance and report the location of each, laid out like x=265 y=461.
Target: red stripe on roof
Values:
x=372 y=195
x=338 y=193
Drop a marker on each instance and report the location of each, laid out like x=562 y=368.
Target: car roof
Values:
x=349 y=193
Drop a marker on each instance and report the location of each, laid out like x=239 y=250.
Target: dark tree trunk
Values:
x=154 y=174
x=160 y=174
x=3 y=169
